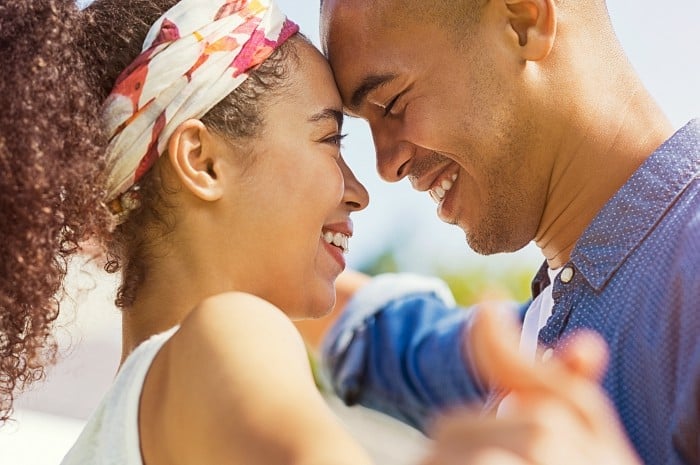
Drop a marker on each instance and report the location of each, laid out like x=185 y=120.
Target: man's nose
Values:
x=393 y=154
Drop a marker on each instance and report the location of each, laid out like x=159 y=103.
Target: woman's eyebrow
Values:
x=328 y=114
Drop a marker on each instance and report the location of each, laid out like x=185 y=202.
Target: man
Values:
x=525 y=122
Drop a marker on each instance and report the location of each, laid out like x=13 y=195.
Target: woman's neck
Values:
x=174 y=285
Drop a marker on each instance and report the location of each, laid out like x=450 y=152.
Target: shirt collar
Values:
x=638 y=206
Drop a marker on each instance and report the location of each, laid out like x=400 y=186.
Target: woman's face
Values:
x=290 y=217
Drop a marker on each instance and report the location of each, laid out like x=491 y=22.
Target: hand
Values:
x=556 y=413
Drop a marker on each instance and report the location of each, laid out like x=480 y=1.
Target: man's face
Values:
x=456 y=119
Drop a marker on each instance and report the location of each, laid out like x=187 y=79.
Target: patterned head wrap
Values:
x=196 y=54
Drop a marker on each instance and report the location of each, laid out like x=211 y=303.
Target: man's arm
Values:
x=397 y=348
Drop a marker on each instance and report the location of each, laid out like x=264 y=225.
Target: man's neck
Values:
x=592 y=165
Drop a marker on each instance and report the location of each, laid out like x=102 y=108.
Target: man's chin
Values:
x=485 y=243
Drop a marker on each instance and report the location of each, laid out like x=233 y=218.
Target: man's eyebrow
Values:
x=368 y=84
x=328 y=113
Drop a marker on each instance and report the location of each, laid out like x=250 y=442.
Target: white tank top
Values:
x=111 y=435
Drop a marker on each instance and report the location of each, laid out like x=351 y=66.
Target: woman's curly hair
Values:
x=50 y=146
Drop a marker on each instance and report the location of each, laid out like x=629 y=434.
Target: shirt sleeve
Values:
x=397 y=348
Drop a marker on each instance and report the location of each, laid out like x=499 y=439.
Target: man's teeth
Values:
x=438 y=192
x=337 y=239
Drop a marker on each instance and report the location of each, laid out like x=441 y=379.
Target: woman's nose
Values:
x=355 y=195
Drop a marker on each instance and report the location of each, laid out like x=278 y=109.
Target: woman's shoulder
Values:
x=230 y=357
x=235 y=308
x=232 y=329
x=230 y=322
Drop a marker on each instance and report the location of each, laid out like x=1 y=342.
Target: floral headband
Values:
x=196 y=54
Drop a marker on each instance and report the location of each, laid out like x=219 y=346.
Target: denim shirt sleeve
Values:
x=397 y=349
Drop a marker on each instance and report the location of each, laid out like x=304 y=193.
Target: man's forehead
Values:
x=354 y=41
x=351 y=19
x=345 y=31
x=358 y=68
x=336 y=6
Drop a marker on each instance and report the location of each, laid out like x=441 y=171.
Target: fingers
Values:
x=495 y=336
x=555 y=411
x=585 y=353
x=529 y=436
x=464 y=438
x=570 y=378
x=535 y=430
x=482 y=457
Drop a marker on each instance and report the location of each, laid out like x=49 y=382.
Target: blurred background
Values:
x=399 y=231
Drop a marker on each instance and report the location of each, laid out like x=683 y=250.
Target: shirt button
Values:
x=567 y=274
x=547 y=354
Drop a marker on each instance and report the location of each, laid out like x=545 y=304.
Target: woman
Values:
x=48 y=148
x=231 y=207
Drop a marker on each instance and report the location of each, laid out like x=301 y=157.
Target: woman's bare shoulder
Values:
x=235 y=318
x=235 y=341
x=210 y=388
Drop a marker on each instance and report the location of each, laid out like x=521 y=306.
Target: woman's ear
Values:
x=195 y=160
x=534 y=22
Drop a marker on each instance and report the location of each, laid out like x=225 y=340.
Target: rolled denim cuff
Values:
x=372 y=298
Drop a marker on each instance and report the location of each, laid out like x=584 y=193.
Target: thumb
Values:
x=586 y=354
x=494 y=343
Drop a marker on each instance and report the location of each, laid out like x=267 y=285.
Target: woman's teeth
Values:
x=337 y=239
x=438 y=192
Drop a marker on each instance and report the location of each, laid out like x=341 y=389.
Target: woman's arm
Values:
x=234 y=386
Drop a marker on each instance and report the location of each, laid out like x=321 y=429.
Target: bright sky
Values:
x=661 y=40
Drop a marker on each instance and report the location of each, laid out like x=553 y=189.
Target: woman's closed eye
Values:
x=335 y=139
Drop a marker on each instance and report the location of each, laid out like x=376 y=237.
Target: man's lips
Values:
x=435 y=177
x=442 y=186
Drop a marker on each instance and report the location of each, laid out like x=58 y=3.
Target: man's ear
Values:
x=534 y=22
x=195 y=160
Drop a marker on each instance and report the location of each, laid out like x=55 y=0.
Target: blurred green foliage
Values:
x=383 y=263
x=469 y=284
